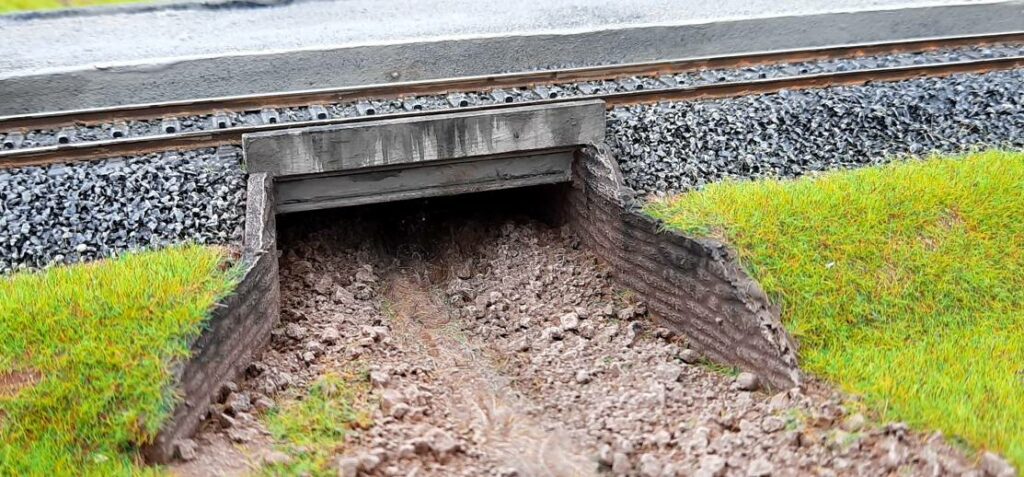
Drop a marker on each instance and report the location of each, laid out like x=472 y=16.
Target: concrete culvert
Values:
x=485 y=330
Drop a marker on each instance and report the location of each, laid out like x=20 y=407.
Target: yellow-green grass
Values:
x=10 y=6
x=902 y=283
x=85 y=352
x=312 y=427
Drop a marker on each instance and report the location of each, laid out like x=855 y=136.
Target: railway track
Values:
x=616 y=85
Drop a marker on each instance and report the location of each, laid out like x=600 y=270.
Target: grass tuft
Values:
x=903 y=283
x=89 y=347
x=312 y=427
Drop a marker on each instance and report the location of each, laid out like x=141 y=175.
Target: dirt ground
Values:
x=501 y=347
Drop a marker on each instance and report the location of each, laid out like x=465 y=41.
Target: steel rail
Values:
x=58 y=119
x=200 y=139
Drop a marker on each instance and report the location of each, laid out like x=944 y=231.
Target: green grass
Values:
x=90 y=345
x=312 y=427
x=10 y=6
x=903 y=283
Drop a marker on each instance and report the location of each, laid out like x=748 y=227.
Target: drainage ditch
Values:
x=493 y=336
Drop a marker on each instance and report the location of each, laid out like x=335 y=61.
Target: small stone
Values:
x=295 y=331
x=186 y=449
x=627 y=313
x=711 y=466
x=225 y=390
x=583 y=377
x=379 y=378
x=854 y=422
x=238 y=403
x=552 y=333
x=365 y=275
x=389 y=399
x=689 y=356
x=330 y=336
x=276 y=458
x=996 y=466
x=569 y=321
x=400 y=410
x=239 y=435
x=604 y=455
x=620 y=464
x=348 y=467
x=760 y=467
x=779 y=402
x=368 y=462
x=747 y=382
x=324 y=285
x=650 y=466
x=668 y=372
x=662 y=438
x=342 y=295
x=772 y=424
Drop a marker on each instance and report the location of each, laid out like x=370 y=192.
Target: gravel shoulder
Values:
x=69 y=213
x=496 y=346
x=673 y=147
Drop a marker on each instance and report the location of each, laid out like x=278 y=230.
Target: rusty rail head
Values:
x=57 y=119
x=199 y=139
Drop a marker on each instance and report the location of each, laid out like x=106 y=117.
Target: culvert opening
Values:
x=486 y=338
x=485 y=326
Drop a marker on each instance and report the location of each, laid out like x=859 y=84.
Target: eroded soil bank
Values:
x=492 y=343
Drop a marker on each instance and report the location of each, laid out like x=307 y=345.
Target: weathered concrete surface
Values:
x=237 y=330
x=422 y=139
x=448 y=178
x=695 y=286
x=68 y=62
x=428 y=156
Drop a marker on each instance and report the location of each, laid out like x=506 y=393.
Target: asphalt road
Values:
x=53 y=43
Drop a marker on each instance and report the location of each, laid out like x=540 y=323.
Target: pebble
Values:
x=668 y=372
x=711 y=466
x=348 y=467
x=747 y=382
x=854 y=422
x=996 y=466
x=689 y=356
x=570 y=321
x=760 y=467
x=186 y=449
x=238 y=403
x=621 y=464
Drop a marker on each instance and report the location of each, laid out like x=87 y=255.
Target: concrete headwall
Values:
x=237 y=330
x=694 y=286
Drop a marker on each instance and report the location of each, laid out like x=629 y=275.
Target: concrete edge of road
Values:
x=215 y=76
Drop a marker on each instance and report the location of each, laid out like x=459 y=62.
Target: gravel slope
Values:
x=75 y=212
x=673 y=147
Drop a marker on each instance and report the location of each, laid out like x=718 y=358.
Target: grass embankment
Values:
x=902 y=283
x=11 y=6
x=312 y=427
x=84 y=354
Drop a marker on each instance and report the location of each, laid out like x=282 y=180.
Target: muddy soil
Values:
x=499 y=346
